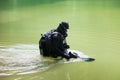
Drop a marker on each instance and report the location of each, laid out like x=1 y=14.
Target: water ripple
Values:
x=22 y=59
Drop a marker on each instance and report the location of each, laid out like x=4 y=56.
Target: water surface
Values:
x=94 y=30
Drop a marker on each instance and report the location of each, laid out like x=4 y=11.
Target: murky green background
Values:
x=94 y=30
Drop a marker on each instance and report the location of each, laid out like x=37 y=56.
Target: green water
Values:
x=94 y=30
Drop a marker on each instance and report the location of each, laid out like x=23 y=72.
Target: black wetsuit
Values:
x=53 y=44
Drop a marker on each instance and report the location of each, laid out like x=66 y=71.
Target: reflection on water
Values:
x=22 y=59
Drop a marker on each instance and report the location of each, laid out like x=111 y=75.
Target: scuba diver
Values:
x=53 y=43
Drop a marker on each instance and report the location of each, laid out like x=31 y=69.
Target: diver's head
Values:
x=62 y=28
x=64 y=25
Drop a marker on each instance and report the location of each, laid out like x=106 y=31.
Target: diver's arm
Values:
x=58 y=46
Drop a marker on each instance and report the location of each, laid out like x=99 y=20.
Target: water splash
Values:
x=22 y=59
